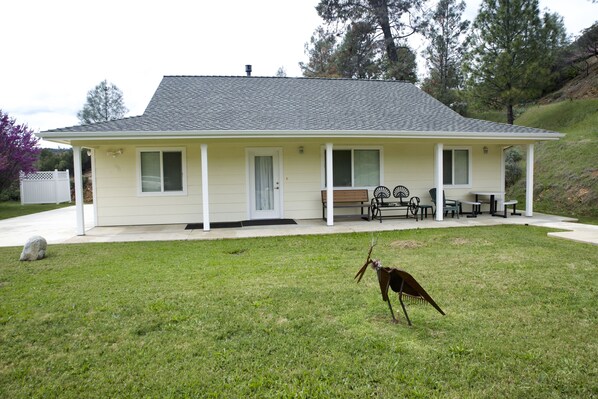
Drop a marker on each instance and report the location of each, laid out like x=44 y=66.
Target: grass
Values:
x=566 y=173
x=283 y=317
x=578 y=118
x=494 y=115
x=499 y=116
x=11 y=209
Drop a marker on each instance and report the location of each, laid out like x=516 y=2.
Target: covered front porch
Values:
x=57 y=227
x=170 y=232
x=304 y=168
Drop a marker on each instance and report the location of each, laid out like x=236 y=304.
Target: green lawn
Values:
x=566 y=173
x=283 y=317
x=11 y=209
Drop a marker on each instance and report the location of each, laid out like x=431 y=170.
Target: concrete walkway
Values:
x=58 y=227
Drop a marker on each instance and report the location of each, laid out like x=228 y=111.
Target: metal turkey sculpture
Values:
x=400 y=282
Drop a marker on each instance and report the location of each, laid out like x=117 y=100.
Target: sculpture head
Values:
x=375 y=263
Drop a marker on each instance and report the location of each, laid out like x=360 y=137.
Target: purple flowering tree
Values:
x=18 y=150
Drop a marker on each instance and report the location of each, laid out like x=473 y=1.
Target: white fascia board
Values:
x=67 y=137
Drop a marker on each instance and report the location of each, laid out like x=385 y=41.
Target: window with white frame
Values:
x=161 y=171
x=456 y=167
x=355 y=167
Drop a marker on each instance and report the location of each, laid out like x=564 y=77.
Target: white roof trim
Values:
x=66 y=137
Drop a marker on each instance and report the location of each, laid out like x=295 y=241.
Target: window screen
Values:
x=355 y=168
x=461 y=168
x=173 y=171
x=150 y=172
x=161 y=171
x=455 y=165
x=341 y=168
x=367 y=168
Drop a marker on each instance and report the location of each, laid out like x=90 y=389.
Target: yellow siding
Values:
x=302 y=181
x=410 y=164
x=118 y=202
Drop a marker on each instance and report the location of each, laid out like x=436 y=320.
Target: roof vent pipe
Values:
x=248 y=70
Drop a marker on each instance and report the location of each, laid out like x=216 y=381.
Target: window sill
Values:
x=458 y=186
x=163 y=194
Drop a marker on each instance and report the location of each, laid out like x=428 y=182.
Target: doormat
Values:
x=244 y=223
x=217 y=225
x=267 y=222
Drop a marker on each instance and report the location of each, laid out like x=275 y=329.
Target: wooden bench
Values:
x=356 y=198
x=506 y=204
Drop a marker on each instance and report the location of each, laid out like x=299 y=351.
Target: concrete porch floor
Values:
x=58 y=227
x=578 y=232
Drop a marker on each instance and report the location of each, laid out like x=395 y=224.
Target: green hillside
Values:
x=566 y=171
x=577 y=118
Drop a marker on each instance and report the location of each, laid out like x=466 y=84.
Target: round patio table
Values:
x=492 y=194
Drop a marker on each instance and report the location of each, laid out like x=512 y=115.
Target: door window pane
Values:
x=264 y=183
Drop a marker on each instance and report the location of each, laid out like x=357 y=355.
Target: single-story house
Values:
x=216 y=149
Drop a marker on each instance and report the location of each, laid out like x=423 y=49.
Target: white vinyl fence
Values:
x=45 y=187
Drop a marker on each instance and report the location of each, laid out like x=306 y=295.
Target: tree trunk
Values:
x=380 y=8
x=510 y=115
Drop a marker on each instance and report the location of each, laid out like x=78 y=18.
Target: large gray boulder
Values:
x=35 y=248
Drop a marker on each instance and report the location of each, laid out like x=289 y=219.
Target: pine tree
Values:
x=510 y=57
x=354 y=57
x=104 y=103
x=389 y=22
x=445 y=51
x=321 y=55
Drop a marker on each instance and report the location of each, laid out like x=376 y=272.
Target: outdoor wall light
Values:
x=301 y=149
x=114 y=153
x=485 y=150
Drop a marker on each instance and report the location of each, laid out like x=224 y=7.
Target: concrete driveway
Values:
x=58 y=227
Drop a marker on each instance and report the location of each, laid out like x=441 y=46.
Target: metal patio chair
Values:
x=448 y=204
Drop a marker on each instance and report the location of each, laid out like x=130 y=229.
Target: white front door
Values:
x=265 y=185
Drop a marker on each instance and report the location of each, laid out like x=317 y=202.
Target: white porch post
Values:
x=94 y=186
x=329 y=186
x=55 y=187
x=503 y=172
x=529 y=182
x=438 y=180
x=78 y=191
x=205 y=198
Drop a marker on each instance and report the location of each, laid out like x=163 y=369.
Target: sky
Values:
x=54 y=52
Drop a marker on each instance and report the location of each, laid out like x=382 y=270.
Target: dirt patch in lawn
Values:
x=461 y=241
x=406 y=244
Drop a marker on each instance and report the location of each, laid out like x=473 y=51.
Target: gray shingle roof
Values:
x=211 y=103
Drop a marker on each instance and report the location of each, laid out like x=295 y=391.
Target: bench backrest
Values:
x=359 y=195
